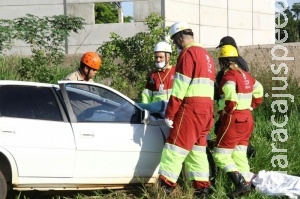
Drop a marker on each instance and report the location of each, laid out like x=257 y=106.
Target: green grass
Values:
x=262 y=138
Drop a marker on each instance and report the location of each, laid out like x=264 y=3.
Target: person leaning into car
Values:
x=90 y=64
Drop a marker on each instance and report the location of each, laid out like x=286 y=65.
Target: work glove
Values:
x=169 y=122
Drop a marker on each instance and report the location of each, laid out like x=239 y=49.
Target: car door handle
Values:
x=8 y=131
x=87 y=134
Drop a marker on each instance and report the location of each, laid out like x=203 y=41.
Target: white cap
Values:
x=163 y=47
x=177 y=27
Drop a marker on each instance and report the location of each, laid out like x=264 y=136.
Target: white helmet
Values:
x=163 y=47
x=177 y=27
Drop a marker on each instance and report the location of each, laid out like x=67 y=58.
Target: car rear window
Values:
x=30 y=102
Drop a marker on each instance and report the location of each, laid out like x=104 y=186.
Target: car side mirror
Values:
x=145 y=116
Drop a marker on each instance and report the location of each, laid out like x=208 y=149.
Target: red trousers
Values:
x=192 y=123
x=235 y=129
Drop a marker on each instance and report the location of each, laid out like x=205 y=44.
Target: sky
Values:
x=291 y=2
x=128 y=6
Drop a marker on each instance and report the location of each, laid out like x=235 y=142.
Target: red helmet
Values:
x=92 y=60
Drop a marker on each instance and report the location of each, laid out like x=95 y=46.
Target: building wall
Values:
x=250 y=23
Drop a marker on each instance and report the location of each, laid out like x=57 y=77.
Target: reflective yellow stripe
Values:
x=187 y=87
x=171 y=161
x=146 y=96
x=154 y=96
x=180 y=85
x=258 y=90
x=196 y=165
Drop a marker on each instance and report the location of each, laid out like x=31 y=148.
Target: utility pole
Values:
x=120 y=12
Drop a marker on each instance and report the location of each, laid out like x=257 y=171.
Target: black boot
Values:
x=241 y=186
x=251 y=151
x=203 y=193
x=165 y=187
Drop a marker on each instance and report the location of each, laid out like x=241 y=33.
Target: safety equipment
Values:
x=169 y=122
x=177 y=27
x=227 y=41
x=228 y=51
x=92 y=60
x=160 y=65
x=241 y=186
x=163 y=47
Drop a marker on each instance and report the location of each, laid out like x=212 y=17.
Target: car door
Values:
x=112 y=142
x=33 y=130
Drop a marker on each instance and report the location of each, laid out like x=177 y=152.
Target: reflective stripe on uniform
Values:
x=196 y=164
x=171 y=169
x=187 y=87
x=222 y=157
x=230 y=168
x=257 y=90
x=149 y=96
x=240 y=148
x=146 y=96
x=239 y=155
x=243 y=100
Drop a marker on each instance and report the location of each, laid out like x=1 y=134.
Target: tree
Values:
x=108 y=13
x=292 y=27
x=128 y=60
x=296 y=10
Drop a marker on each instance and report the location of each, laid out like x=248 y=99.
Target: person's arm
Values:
x=230 y=95
x=257 y=94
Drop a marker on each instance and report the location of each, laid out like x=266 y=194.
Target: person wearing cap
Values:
x=189 y=114
x=228 y=40
x=89 y=66
x=240 y=94
x=160 y=81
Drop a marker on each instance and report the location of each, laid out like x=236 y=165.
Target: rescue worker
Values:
x=160 y=81
x=240 y=94
x=89 y=66
x=189 y=114
x=228 y=40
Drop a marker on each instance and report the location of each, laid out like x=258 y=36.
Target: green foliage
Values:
x=46 y=37
x=128 y=60
x=108 y=13
x=292 y=26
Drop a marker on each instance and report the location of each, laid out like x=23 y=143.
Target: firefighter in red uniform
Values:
x=160 y=81
x=240 y=94
x=189 y=114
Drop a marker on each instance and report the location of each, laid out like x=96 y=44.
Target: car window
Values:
x=97 y=104
x=30 y=102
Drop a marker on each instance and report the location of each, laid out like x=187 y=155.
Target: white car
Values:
x=75 y=136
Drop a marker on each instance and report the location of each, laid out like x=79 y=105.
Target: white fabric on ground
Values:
x=274 y=183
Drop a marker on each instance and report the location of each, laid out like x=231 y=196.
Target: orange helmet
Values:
x=92 y=60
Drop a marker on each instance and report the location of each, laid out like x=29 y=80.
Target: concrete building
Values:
x=250 y=22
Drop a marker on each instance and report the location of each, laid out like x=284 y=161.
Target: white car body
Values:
x=69 y=154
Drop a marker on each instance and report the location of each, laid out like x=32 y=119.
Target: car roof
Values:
x=26 y=83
